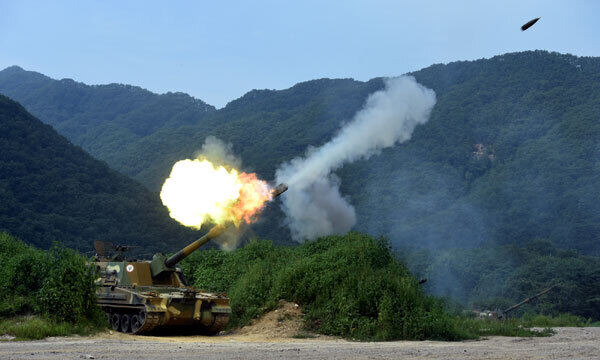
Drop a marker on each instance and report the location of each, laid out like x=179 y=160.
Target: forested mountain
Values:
x=52 y=191
x=102 y=119
x=509 y=154
x=502 y=179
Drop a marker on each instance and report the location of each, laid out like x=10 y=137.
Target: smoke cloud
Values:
x=313 y=204
x=219 y=152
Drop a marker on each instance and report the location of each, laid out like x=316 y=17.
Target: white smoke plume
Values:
x=313 y=204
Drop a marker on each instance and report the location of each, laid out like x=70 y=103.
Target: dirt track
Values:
x=571 y=343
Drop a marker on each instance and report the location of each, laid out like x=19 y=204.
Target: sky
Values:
x=219 y=50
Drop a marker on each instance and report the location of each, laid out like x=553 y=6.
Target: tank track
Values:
x=146 y=322
x=151 y=322
x=155 y=321
x=218 y=325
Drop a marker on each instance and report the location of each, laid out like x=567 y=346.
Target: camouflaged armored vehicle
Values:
x=143 y=296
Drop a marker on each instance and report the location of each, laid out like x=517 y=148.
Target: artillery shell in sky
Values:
x=529 y=24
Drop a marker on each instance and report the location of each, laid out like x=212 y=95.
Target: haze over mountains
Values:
x=510 y=153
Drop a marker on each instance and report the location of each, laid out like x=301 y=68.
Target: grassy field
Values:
x=36 y=327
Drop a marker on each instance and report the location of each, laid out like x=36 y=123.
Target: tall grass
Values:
x=37 y=327
x=536 y=320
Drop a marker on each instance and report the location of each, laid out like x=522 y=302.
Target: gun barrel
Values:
x=279 y=189
x=212 y=233
x=528 y=299
x=181 y=254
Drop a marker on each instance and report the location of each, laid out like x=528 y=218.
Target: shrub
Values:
x=68 y=292
x=21 y=274
x=56 y=284
x=351 y=286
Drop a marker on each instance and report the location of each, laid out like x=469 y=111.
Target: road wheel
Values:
x=125 y=323
x=218 y=325
x=115 y=321
x=136 y=323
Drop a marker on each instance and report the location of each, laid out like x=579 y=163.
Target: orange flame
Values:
x=198 y=191
x=253 y=195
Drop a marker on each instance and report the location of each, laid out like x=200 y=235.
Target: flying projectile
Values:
x=529 y=24
x=280 y=189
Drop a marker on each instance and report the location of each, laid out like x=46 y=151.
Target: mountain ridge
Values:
x=117 y=114
x=52 y=191
x=531 y=113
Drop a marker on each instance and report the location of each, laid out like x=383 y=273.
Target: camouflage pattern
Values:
x=143 y=296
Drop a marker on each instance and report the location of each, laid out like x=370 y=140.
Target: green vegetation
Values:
x=102 y=119
x=533 y=115
x=497 y=277
x=502 y=184
x=533 y=320
x=45 y=293
x=350 y=286
x=53 y=191
x=521 y=326
x=36 y=327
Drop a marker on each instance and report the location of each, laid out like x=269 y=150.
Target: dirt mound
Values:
x=284 y=322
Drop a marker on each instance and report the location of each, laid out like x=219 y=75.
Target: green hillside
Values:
x=510 y=152
x=508 y=161
x=534 y=117
x=53 y=191
x=102 y=119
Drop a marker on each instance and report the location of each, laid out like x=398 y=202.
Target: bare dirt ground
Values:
x=274 y=336
x=568 y=343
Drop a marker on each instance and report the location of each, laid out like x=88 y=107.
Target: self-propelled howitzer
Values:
x=143 y=296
